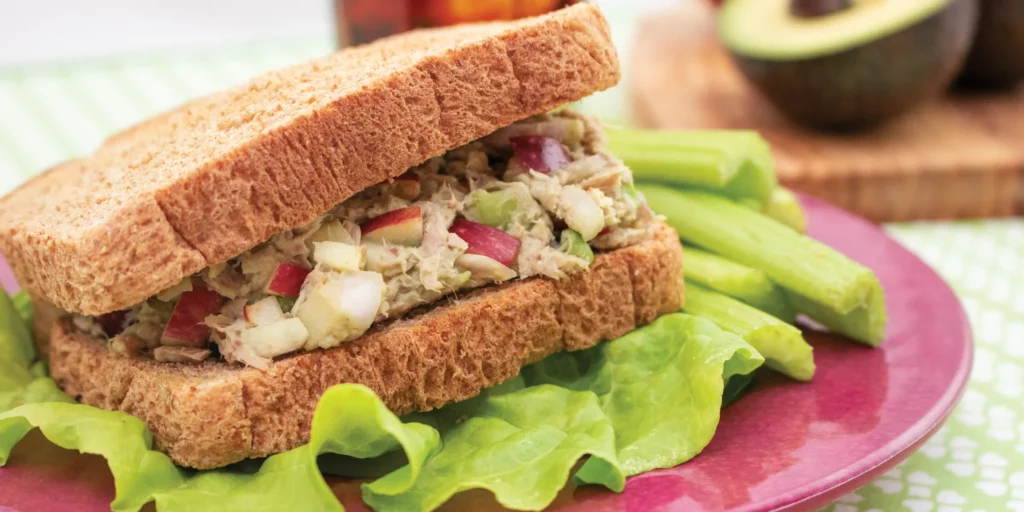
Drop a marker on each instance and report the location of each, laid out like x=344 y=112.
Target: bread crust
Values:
x=210 y=415
x=210 y=180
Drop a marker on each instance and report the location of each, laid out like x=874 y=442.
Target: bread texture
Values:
x=213 y=414
x=210 y=180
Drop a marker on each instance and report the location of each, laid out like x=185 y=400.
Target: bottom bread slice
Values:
x=211 y=415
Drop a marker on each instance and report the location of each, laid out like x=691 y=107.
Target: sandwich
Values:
x=420 y=215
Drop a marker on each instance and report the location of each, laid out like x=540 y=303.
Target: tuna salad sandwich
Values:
x=420 y=215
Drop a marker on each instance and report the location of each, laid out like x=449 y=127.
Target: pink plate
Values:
x=782 y=446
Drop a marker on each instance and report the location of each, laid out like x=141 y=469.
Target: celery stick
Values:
x=734 y=163
x=794 y=261
x=865 y=324
x=784 y=207
x=753 y=204
x=735 y=280
x=781 y=344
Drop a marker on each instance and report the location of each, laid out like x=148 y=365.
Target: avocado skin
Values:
x=866 y=85
x=996 y=59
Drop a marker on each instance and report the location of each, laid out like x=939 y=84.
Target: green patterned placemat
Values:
x=49 y=113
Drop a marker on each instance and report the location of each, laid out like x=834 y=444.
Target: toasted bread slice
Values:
x=210 y=180
x=210 y=415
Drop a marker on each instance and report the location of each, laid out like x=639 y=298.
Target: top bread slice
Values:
x=204 y=183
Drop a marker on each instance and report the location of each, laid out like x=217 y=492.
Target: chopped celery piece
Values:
x=785 y=208
x=735 y=280
x=574 y=244
x=865 y=324
x=781 y=344
x=287 y=303
x=734 y=163
x=494 y=208
x=794 y=261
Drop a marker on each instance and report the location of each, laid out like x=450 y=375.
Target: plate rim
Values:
x=828 y=488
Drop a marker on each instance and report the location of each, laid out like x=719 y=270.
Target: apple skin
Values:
x=540 y=152
x=186 y=327
x=403 y=226
x=112 y=323
x=287 y=279
x=487 y=241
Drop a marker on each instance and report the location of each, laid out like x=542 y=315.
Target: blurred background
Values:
x=907 y=112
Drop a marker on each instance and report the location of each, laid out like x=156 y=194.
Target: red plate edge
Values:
x=807 y=496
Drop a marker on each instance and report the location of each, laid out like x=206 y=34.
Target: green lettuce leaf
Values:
x=521 y=446
x=520 y=440
x=680 y=363
x=16 y=331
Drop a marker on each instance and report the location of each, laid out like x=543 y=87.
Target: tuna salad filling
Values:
x=536 y=198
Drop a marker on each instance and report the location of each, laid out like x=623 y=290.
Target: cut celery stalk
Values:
x=865 y=324
x=794 y=261
x=781 y=344
x=739 y=281
x=734 y=163
x=753 y=204
x=785 y=208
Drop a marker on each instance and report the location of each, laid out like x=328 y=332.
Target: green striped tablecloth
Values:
x=49 y=113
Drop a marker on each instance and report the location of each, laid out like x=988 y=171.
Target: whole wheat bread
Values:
x=214 y=414
x=216 y=177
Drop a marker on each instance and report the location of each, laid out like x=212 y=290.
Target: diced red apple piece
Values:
x=272 y=340
x=112 y=323
x=568 y=131
x=487 y=241
x=264 y=312
x=400 y=227
x=540 y=153
x=186 y=326
x=485 y=269
x=341 y=308
x=581 y=212
x=287 y=279
x=339 y=256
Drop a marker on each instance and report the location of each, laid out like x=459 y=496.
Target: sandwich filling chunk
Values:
x=536 y=198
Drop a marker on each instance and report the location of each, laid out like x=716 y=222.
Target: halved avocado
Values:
x=997 y=57
x=840 y=64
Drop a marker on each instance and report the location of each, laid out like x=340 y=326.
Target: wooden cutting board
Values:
x=958 y=157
